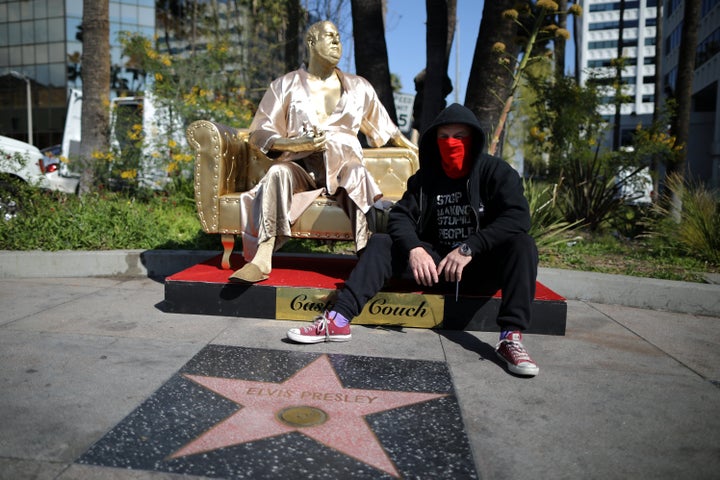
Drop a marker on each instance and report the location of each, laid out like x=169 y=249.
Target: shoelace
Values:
x=320 y=324
x=518 y=352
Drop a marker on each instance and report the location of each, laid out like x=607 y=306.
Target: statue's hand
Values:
x=303 y=143
x=400 y=140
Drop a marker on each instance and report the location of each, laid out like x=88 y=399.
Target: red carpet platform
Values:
x=301 y=286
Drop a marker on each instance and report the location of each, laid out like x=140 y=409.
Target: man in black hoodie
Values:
x=463 y=218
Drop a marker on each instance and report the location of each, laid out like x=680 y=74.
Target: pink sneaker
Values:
x=511 y=351
x=323 y=329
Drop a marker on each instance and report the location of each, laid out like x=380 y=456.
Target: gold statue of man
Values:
x=308 y=121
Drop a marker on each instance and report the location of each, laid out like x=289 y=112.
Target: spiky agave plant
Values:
x=547 y=227
x=697 y=228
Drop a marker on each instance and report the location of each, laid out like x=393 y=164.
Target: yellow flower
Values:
x=158 y=77
x=511 y=14
x=548 y=5
x=575 y=9
x=172 y=167
x=132 y=173
x=172 y=143
x=166 y=61
x=536 y=133
x=499 y=47
x=563 y=33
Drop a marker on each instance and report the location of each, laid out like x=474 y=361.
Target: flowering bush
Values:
x=536 y=27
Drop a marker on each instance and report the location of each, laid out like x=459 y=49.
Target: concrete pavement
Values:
x=683 y=297
x=628 y=392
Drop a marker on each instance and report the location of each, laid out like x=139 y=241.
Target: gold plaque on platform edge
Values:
x=292 y=303
x=414 y=310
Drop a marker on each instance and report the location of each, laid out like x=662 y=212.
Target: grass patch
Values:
x=643 y=257
x=53 y=221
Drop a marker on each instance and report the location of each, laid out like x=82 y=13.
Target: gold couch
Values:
x=226 y=165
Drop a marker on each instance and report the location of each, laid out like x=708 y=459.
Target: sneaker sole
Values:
x=296 y=337
x=527 y=371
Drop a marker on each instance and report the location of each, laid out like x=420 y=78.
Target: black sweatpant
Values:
x=512 y=267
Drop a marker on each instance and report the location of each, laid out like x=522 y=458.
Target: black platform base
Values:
x=295 y=293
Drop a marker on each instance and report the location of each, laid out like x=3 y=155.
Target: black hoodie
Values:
x=493 y=187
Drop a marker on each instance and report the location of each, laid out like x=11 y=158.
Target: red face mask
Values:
x=453 y=152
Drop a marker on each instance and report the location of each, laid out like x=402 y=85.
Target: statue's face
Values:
x=328 y=45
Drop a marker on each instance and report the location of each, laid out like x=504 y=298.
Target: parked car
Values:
x=22 y=162
x=54 y=153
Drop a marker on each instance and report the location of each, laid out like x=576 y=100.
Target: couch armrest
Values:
x=220 y=166
x=391 y=167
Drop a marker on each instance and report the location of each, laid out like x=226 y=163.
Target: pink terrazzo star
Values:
x=334 y=415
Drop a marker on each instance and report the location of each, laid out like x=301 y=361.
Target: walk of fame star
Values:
x=251 y=413
x=312 y=402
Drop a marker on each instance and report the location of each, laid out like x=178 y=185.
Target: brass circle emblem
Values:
x=302 y=416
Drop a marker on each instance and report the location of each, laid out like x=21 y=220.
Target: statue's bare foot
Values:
x=249 y=273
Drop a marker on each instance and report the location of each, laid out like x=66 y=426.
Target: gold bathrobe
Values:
x=287 y=111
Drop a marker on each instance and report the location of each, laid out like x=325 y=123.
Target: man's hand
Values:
x=303 y=143
x=423 y=267
x=453 y=265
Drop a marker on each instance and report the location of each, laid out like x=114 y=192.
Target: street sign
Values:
x=404 y=107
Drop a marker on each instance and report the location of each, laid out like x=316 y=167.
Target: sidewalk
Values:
x=628 y=392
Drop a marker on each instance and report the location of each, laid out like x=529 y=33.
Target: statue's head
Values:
x=323 y=42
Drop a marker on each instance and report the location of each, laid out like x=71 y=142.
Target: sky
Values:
x=405 y=38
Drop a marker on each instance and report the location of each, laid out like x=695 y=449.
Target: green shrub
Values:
x=548 y=227
x=103 y=221
x=693 y=226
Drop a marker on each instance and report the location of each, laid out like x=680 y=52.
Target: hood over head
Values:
x=455 y=113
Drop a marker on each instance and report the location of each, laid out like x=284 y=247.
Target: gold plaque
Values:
x=302 y=416
x=301 y=303
x=416 y=310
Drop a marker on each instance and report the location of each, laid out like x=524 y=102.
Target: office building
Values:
x=704 y=145
x=598 y=36
x=598 y=31
x=41 y=43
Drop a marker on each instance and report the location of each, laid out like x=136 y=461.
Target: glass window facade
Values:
x=40 y=43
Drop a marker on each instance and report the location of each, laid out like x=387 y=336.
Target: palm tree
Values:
x=560 y=42
x=436 y=84
x=96 y=87
x=292 y=35
x=371 y=57
x=490 y=82
x=683 y=91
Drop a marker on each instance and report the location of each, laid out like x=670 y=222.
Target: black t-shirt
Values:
x=452 y=219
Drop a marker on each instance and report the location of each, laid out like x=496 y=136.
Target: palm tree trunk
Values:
x=371 y=57
x=683 y=91
x=490 y=82
x=437 y=58
x=559 y=42
x=96 y=87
